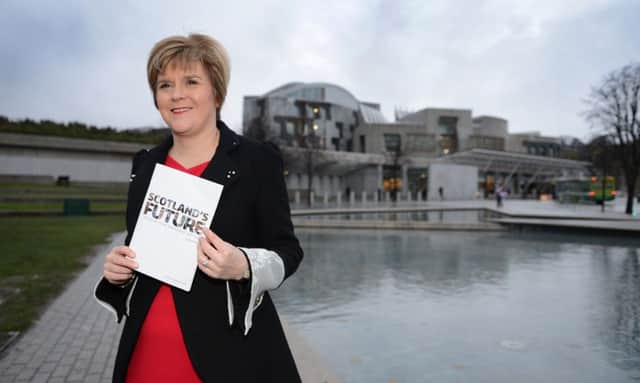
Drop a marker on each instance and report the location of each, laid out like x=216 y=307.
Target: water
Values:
x=440 y=216
x=389 y=306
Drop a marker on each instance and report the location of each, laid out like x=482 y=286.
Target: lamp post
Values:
x=309 y=137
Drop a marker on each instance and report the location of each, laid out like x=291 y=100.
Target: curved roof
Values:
x=329 y=93
x=316 y=91
x=371 y=115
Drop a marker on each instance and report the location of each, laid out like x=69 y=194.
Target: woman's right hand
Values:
x=119 y=265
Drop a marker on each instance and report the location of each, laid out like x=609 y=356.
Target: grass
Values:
x=48 y=198
x=39 y=257
x=73 y=188
x=58 y=206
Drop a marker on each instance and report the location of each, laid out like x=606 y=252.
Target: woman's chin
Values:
x=181 y=130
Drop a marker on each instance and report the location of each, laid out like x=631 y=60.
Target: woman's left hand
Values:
x=219 y=259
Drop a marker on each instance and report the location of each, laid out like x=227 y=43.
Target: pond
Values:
x=393 y=306
x=434 y=216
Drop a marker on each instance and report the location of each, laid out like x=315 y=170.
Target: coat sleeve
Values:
x=113 y=297
x=279 y=253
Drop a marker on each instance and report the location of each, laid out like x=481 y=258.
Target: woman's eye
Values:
x=192 y=82
x=163 y=85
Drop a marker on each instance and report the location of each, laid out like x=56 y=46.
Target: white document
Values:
x=176 y=208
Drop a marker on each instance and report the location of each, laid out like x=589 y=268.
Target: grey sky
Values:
x=531 y=62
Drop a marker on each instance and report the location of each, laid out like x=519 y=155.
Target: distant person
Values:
x=500 y=194
x=226 y=328
x=441 y=193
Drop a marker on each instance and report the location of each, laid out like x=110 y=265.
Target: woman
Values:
x=226 y=328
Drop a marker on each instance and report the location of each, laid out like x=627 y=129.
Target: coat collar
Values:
x=222 y=169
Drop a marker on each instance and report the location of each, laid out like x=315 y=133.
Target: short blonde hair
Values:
x=188 y=49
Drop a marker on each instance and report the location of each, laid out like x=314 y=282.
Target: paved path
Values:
x=75 y=339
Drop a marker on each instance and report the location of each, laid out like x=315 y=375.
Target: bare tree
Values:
x=613 y=111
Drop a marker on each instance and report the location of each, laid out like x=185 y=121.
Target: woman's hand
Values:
x=119 y=265
x=219 y=259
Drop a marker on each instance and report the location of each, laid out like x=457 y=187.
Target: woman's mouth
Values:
x=180 y=110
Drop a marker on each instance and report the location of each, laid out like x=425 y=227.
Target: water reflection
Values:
x=466 y=306
x=619 y=326
x=438 y=216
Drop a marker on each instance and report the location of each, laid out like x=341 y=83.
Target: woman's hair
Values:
x=188 y=49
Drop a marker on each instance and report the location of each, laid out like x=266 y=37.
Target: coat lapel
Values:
x=222 y=169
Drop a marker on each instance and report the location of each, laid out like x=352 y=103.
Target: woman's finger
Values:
x=125 y=251
x=216 y=241
x=117 y=269
x=209 y=251
x=117 y=278
x=122 y=260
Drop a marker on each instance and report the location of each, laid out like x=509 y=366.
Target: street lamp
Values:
x=309 y=138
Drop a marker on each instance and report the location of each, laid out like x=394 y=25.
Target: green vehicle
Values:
x=577 y=190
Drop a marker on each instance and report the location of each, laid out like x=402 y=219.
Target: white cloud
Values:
x=528 y=61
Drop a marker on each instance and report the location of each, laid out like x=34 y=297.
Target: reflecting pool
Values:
x=434 y=216
x=391 y=306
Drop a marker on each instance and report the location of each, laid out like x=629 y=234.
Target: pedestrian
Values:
x=225 y=329
x=441 y=193
x=499 y=196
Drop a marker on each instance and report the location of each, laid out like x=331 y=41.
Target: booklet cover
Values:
x=175 y=209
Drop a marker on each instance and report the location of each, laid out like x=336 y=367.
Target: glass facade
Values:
x=417 y=142
x=448 y=131
x=392 y=143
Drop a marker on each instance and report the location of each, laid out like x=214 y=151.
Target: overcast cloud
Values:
x=531 y=62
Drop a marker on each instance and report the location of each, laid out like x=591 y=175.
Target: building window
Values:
x=315 y=110
x=392 y=143
x=448 y=131
x=447 y=125
x=336 y=143
x=420 y=143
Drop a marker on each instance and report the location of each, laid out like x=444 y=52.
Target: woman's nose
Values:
x=178 y=93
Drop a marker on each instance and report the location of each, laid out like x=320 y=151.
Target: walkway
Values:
x=75 y=339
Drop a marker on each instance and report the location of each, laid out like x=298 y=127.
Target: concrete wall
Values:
x=458 y=181
x=26 y=155
x=490 y=127
x=366 y=179
x=89 y=167
x=374 y=138
x=430 y=116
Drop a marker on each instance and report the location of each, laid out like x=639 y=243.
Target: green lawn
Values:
x=58 y=206
x=38 y=257
x=75 y=188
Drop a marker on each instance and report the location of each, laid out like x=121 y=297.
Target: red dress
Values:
x=160 y=354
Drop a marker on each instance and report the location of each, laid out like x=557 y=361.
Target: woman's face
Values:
x=186 y=98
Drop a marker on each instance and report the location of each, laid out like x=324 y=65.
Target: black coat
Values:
x=253 y=212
